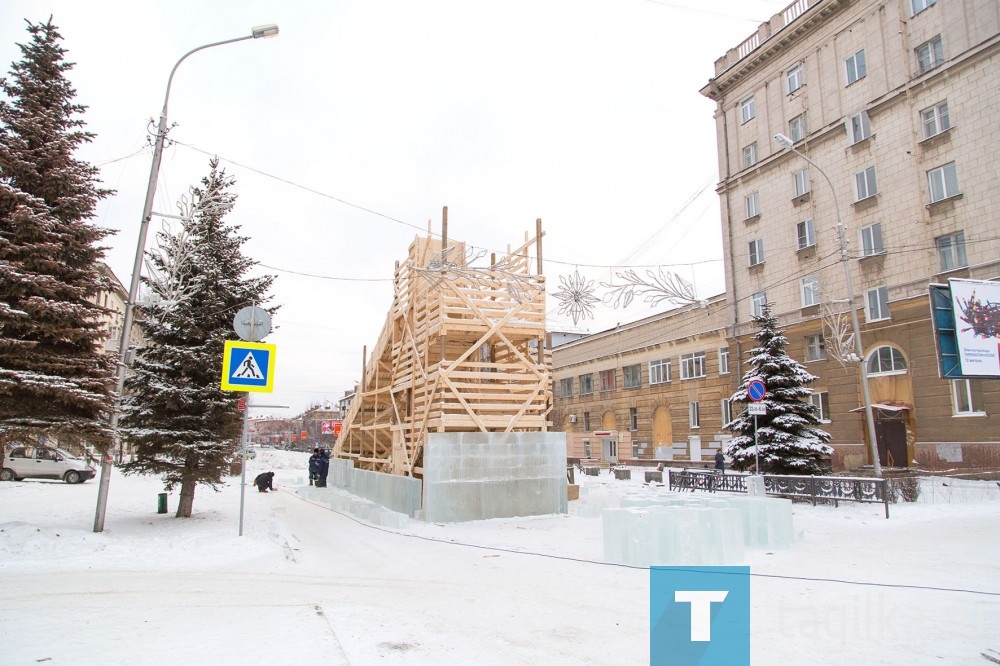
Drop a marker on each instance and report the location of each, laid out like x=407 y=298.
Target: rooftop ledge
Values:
x=779 y=30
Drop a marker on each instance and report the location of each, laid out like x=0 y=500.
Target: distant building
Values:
x=657 y=388
x=113 y=300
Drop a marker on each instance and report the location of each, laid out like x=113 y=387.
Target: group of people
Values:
x=319 y=467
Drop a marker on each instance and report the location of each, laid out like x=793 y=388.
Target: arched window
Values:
x=886 y=360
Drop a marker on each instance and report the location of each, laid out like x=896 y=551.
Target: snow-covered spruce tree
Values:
x=182 y=425
x=789 y=442
x=54 y=379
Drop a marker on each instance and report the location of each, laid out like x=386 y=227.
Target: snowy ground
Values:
x=306 y=583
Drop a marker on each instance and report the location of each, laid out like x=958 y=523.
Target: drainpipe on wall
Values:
x=732 y=259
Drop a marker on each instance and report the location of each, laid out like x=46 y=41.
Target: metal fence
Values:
x=824 y=488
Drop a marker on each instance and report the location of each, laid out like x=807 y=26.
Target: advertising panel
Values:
x=976 y=304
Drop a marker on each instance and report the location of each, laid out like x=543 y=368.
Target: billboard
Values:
x=976 y=308
x=331 y=427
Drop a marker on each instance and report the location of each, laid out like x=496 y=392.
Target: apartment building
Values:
x=657 y=388
x=113 y=300
x=891 y=107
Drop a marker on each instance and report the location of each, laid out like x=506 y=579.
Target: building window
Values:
x=951 y=251
x=856 y=67
x=566 y=387
x=747 y=111
x=723 y=360
x=693 y=365
x=586 y=425
x=943 y=182
x=586 y=448
x=821 y=401
x=753 y=205
x=877 y=301
x=659 y=371
x=865 y=183
x=586 y=384
x=757 y=303
x=967 y=397
x=694 y=418
x=608 y=380
x=810 y=290
x=632 y=375
x=871 y=240
x=727 y=411
x=935 y=120
x=756 y=251
x=800 y=182
x=886 y=360
x=750 y=155
x=930 y=54
x=859 y=127
x=633 y=424
x=815 y=348
x=797 y=128
x=795 y=77
x=806 y=234
x=920 y=5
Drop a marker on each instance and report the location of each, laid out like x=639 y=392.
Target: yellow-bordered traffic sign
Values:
x=248 y=366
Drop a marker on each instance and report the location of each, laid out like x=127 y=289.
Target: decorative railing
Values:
x=825 y=488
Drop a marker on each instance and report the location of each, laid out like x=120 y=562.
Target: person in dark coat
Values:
x=264 y=481
x=324 y=468
x=314 y=463
x=720 y=462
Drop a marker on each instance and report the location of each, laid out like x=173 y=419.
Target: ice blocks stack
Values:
x=480 y=475
x=400 y=494
x=680 y=529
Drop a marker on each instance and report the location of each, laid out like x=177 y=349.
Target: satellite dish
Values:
x=252 y=323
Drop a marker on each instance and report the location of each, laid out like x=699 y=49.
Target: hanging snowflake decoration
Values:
x=576 y=297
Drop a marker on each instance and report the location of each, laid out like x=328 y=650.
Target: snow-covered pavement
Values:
x=306 y=583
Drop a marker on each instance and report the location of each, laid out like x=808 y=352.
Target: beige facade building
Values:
x=656 y=388
x=114 y=300
x=895 y=105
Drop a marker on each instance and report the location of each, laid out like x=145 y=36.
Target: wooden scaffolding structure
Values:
x=462 y=350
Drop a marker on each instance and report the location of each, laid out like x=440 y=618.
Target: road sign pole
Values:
x=756 y=448
x=243 y=460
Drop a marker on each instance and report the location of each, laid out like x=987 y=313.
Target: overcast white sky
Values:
x=584 y=113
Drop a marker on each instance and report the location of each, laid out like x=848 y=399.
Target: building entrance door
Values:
x=890 y=435
x=609 y=449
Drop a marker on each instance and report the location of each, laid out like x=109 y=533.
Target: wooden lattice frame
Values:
x=461 y=352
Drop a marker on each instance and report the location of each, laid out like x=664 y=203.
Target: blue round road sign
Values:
x=756 y=390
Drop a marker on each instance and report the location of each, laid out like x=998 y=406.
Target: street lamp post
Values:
x=258 y=32
x=785 y=142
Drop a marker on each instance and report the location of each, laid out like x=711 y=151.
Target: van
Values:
x=44 y=462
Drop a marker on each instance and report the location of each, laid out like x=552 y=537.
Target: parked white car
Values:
x=44 y=462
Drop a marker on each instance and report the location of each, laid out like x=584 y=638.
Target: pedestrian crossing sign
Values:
x=248 y=366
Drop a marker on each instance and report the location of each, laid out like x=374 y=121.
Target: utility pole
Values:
x=858 y=355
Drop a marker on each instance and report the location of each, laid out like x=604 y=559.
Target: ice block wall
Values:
x=394 y=492
x=479 y=475
x=680 y=529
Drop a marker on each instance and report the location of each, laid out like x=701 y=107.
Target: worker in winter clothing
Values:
x=264 y=481
x=324 y=468
x=314 y=461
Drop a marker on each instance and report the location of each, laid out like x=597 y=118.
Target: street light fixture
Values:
x=785 y=142
x=258 y=32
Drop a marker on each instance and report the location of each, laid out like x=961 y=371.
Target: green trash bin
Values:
x=161 y=503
